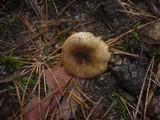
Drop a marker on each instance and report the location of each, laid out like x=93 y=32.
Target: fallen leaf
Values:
x=54 y=74
x=153 y=34
x=56 y=79
x=68 y=106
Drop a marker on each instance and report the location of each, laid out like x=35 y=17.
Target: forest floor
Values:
x=32 y=33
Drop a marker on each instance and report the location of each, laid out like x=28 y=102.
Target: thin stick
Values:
x=115 y=51
x=112 y=41
x=110 y=107
x=141 y=92
x=124 y=102
x=93 y=109
x=65 y=7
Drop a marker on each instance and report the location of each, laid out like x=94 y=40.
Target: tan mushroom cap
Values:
x=84 y=55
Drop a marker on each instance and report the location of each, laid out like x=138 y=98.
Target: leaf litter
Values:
x=62 y=96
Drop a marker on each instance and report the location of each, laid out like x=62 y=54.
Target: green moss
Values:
x=24 y=80
x=134 y=37
x=10 y=62
x=153 y=53
x=63 y=36
x=120 y=107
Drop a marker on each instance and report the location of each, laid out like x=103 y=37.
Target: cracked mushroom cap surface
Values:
x=84 y=55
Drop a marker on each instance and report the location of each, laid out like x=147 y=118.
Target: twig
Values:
x=55 y=6
x=110 y=107
x=113 y=41
x=89 y=115
x=124 y=102
x=65 y=7
x=115 y=51
x=150 y=91
x=142 y=89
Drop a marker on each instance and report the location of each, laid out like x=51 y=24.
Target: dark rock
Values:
x=129 y=75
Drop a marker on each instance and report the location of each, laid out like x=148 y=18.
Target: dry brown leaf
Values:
x=36 y=111
x=56 y=79
x=68 y=106
x=32 y=103
x=153 y=33
x=55 y=76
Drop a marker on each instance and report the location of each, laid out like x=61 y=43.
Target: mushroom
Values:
x=84 y=55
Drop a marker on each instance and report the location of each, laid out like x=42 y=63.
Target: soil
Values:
x=100 y=17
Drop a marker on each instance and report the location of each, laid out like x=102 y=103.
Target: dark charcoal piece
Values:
x=129 y=75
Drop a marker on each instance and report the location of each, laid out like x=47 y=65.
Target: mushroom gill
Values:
x=84 y=55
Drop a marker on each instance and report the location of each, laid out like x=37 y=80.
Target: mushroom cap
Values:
x=84 y=55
